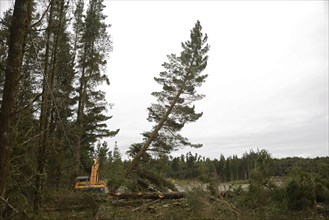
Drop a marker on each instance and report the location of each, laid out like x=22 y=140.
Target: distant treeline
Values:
x=195 y=166
x=191 y=166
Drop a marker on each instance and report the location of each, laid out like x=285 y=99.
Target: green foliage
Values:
x=322 y=182
x=93 y=46
x=300 y=190
x=258 y=194
x=144 y=180
x=114 y=168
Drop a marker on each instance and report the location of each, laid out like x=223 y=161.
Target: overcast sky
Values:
x=268 y=73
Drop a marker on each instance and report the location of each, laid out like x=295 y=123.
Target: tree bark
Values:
x=79 y=121
x=45 y=115
x=18 y=33
x=154 y=133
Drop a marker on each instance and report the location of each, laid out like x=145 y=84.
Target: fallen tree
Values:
x=148 y=195
x=174 y=107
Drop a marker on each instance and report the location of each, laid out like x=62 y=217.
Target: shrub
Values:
x=198 y=201
x=300 y=190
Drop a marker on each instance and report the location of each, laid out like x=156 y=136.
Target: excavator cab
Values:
x=82 y=179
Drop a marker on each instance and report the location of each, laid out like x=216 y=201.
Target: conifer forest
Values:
x=54 y=116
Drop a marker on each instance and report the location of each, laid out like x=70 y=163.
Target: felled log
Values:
x=148 y=195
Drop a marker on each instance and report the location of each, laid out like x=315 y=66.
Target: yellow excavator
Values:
x=92 y=183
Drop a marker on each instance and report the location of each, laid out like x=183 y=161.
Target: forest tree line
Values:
x=52 y=110
x=224 y=169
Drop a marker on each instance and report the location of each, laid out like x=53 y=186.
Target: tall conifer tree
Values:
x=174 y=107
x=94 y=46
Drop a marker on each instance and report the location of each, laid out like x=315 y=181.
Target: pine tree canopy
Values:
x=179 y=80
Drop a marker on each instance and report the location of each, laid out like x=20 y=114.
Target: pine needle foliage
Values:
x=180 y=79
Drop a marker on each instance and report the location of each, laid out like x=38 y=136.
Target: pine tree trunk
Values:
x=55 y=122
x=79 y=122
x=135 y=161
x=77 y=136
x=18 y=32
x=44 y=123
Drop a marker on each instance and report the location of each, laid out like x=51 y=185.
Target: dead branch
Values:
x=9 y=205
x=23 y=212
x=231 y=206
x=146 y=205
x=41 y=18
x=30 y=139
x=28 y=105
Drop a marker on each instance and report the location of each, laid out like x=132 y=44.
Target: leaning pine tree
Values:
x=174 y=107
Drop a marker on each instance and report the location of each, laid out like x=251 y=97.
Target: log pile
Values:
x=148 y=195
